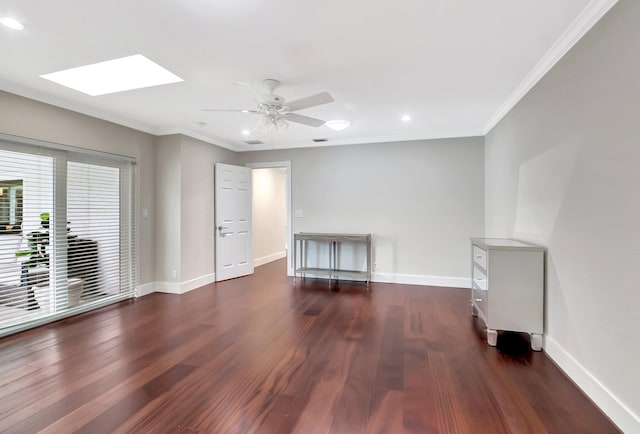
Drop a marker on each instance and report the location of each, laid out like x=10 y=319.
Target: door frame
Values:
x=287 y=183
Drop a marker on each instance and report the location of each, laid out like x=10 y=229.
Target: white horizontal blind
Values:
x=79 y=227
x=34 y=172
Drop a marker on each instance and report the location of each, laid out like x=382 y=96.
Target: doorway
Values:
x=271 y=203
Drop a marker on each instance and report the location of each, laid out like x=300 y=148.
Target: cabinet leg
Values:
x=536 y=342
x=474 y=310
x=492 y=337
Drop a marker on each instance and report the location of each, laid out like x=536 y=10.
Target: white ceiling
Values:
x=456 y=66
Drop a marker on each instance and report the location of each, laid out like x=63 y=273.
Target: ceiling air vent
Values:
x=254 y=142
x=320 y=140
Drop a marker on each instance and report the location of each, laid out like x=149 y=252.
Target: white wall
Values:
x=269 y=214
x=28 y=118
x=562 y=170
x=421 y=201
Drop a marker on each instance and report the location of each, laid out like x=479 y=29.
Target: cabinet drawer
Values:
x=479 y=278
x=480 y=299
x=480 y=257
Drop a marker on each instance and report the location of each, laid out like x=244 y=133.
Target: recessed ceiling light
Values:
x=405 y=118
x=245 y=111
x=246 y=132
x=338 y=124
x=12 y=23
x=117 y=75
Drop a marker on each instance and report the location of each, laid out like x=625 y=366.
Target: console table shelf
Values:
x=333 y=241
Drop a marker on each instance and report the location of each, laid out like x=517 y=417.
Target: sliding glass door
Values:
x=67 y=232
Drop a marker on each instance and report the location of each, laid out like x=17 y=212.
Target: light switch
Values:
x=298 y=213
x=145 y=213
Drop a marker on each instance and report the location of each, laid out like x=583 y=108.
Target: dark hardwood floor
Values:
x=262 y=354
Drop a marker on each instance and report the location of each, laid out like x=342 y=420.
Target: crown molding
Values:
x=198 y=136
x=212 y=140
x=591 y=14
x=74 y=107
x=364 y=140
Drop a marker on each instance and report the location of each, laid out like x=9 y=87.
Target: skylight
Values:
x=12 y=23
x=117 y=75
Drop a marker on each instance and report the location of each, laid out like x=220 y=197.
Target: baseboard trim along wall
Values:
x=184 y=287
x=192 y=284
x=146 y=289
x=622 y=416
x=418 y=279
x=269 y=258
x=168 y=287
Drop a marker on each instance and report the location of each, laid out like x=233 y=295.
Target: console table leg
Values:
x=474 y=310
x=492 y=337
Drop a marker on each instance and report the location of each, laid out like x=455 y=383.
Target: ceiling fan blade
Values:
x=250 y=92
x=230 y=110
x=310 y=101
x=306 y=120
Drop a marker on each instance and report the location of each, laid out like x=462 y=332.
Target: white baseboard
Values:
x=184 y=287
x=269 y=258
x=418 y=279
x=168 y=287
x=619 y=413
x=192 y=284
x=145 y=289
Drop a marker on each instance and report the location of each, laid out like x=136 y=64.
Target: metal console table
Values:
x=300 y=241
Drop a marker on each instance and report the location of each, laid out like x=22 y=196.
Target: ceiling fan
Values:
x=275 y=112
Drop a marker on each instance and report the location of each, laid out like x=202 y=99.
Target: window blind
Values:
x=67 y=232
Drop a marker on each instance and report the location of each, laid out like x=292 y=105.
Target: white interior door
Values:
x=234 y=244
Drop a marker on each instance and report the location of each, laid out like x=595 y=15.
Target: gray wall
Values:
x=27 y=118
x=197 y=206
x=168 y=170
x=562 y=170
x=185 y=205
x=422 y=200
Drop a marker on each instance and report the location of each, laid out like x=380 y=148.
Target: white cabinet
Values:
x=508 y=287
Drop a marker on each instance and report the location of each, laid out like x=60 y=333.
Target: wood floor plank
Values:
x=265 y=354
x=39 y=397
x=390 y=374
x=128 y=406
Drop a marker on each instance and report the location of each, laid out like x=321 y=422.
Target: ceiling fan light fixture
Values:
x=338 y=124
x=281 y=124
x=269 y=123
x=246 y=132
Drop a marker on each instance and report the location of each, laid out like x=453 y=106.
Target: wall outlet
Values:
x=298 y=213
x=375 y=265
x=174 y=274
